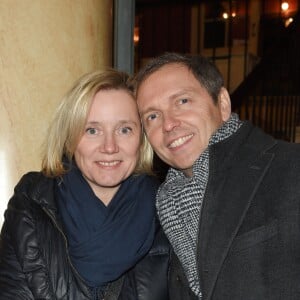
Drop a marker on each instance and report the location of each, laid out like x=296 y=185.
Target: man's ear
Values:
x=224 y=104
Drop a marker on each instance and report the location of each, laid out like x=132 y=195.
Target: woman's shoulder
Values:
x=161 y=245
x=28 y=180
x=28 y=188
x=150 y=275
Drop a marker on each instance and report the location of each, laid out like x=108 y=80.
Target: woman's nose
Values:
x=110 y=144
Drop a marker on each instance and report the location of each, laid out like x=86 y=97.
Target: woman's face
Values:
x=108 y=151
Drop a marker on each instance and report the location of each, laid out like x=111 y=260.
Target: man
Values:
x=230 y=201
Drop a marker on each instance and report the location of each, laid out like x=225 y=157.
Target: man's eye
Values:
x=183 y=101
x=151 y=117
x=91 y=131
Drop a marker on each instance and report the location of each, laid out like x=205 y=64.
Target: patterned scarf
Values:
x=106 y=241
x=179 y=202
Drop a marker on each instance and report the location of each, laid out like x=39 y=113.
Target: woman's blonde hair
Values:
x=69 y=121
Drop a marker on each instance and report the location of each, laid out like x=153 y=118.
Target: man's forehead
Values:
x=169 y=67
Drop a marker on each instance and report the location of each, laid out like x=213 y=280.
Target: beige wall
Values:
x=44 y=46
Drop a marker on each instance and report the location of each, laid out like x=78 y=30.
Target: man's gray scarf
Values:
x=179 y=202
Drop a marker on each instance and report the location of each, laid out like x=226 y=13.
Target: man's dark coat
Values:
x=249 y=233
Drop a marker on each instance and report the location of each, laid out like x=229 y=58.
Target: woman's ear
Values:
x=224 y=104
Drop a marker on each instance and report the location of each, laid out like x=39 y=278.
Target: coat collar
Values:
x=237 y=167
x=43 y=191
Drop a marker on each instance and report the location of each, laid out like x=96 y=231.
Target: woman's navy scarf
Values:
x=106 y=241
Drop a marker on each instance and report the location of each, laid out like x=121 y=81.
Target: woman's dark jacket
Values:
x=249 y=231
x=34 y=261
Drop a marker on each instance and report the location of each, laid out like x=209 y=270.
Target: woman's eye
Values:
x=125 y=130
x=91 y=131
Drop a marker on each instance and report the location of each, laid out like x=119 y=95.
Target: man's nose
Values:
x=170 y=122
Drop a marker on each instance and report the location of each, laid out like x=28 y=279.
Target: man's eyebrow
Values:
x=179 y=94
x=146 y=111
x=171 y=97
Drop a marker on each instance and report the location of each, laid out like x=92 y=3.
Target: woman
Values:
x=84 y=227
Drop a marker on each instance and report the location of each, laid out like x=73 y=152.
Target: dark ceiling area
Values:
x=159 y=2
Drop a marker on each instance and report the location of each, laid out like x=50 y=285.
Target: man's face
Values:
x=179 y=116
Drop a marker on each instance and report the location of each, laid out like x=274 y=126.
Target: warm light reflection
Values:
x=288 y=22
x=136 y=36
x=284 y=6
x=225 y=15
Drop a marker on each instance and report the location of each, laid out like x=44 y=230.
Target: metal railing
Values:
x=277 y=115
